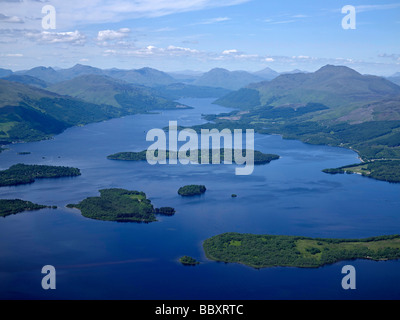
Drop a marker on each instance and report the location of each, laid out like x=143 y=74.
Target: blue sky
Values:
x=201 y=34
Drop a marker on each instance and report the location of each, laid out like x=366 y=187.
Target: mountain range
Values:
x=334 y=106
x=216 y=78
x=40 y=102
x=29 y=113
x=339 y=88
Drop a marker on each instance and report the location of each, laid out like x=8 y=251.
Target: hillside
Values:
x=145 y=76
x=180 y=90
x=28 y=113
x=395 y=79
x=333 y=86
x=231 y=80
x=48 y=75
x=117 y=93
x=29 y=80
x=334 y=106
x=267 y=74
x=5 y=72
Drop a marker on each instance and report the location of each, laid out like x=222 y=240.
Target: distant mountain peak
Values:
x=337 y=70
x=219 y=70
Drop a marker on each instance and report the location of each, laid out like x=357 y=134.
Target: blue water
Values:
x=107 y=260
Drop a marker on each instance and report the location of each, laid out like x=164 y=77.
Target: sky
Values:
x=198 y=35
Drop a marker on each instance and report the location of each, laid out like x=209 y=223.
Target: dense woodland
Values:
x=9 y=207
x=188 y=261
x=259 y=157
x=388 y=170
x=23 y=173
x=120 y=205
x=192 y=190
x=262 y=251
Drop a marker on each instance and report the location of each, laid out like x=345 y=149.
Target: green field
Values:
x=262 y=251
x=385 y=170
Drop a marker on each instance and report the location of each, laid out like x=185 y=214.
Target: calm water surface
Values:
x=107 y=260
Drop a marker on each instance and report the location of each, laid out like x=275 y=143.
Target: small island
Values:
x=192 y=190
x=9 y=207
x=120 y=205
x=259 y=157
x=262 y=251
x=165 y=211
x=188 y=261
x=23 y=174
x=384 y=170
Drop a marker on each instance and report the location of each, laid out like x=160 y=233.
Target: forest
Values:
x=9 y=207
x=384 y=170
x=24 y=174
x=259 y=157
x=261 y=251
x=192 y=190
x=120 y=205
x=188 y=261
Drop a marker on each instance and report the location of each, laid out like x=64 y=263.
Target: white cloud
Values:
x=279 y=22
x=10 y=19
x=106 y=35
x=77 y=12
x=365 y=8
x=74 y=37
x=17 y=55
x=230 y=51
x=300 y=16
x=214 y=20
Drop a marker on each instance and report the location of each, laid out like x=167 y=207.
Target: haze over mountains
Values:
x=217 y=78
x=340 y=88
x=37 y=103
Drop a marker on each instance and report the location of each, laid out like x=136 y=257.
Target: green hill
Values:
x=48 y=75
x=263 y=251
x=181 y=90
x=334 y=86
x=29 y=80
x=146 y=77
x=334 y=106
x=231 y=80
x=117 y=93
x=28 y=113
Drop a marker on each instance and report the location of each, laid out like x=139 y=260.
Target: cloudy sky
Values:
x=175 y=35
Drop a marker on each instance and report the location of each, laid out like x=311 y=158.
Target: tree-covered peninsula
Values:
x=9 y=207
x=259 y=157
x=385 y=170
x=192 y=190
x=261 y=251
x=24 y=173
x=120 y=205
